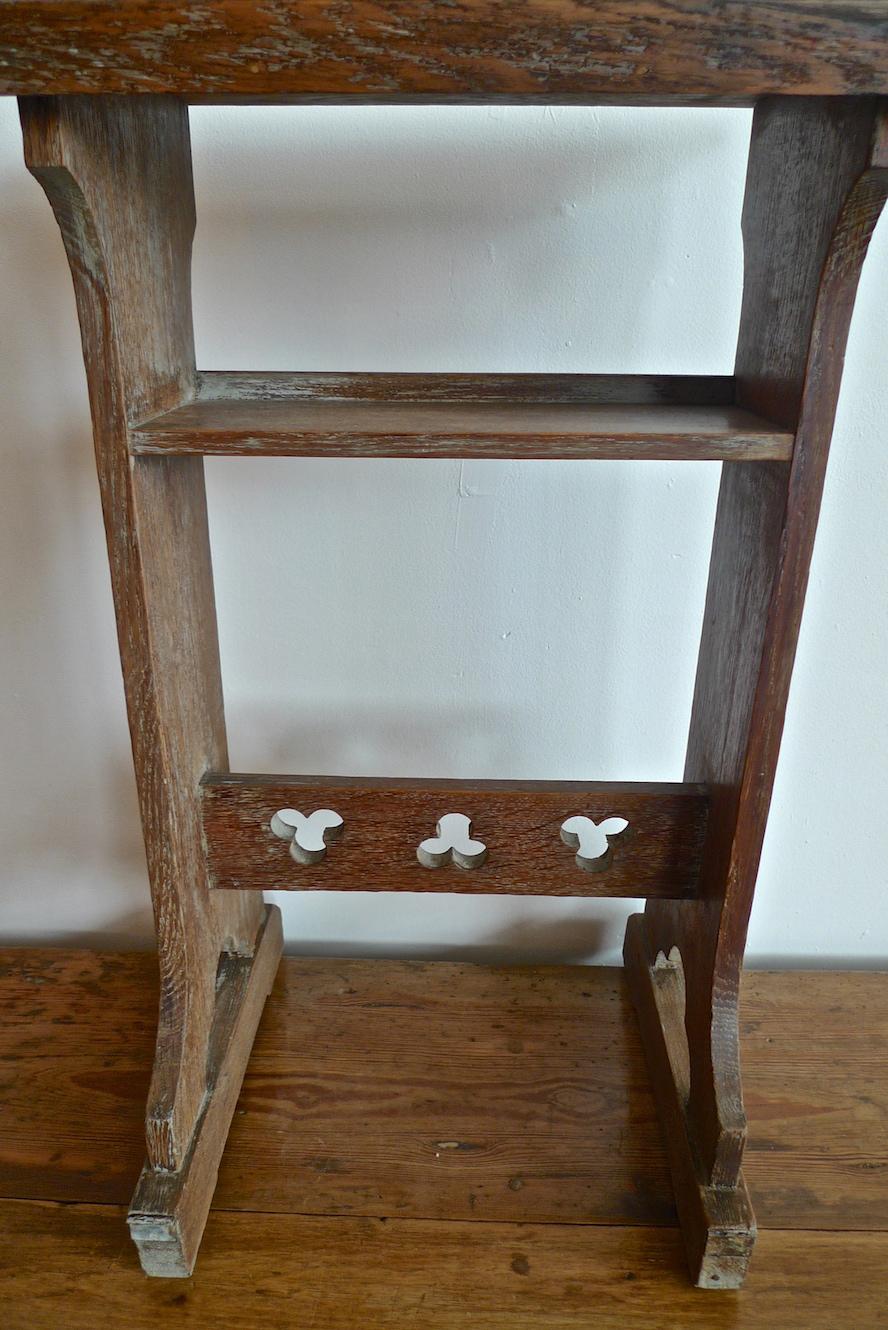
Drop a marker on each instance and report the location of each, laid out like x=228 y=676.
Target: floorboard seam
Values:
x=441 y=1219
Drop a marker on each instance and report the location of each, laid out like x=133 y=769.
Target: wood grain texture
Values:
x=467 y=51
x=117 y=172
x=717 y=1223
x=348 y=428
x=532 y=1077
x=118 y=175
x=519 y=822
x=814 y=192
x=383 y=386
x=70 y=1266
x=169 y=1209
x=805 y=158
x=464 y=415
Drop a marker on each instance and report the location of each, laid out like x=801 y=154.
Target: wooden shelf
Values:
x=550 y=51
x=505 y=416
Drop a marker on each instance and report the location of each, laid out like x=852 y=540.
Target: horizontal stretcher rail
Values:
x=452 y=415
x=525 y=847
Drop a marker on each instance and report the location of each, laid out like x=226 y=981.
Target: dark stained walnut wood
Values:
x=817 y=182
x=468 y=51
x=518 y=821
x=609 y=424
x=117 y=172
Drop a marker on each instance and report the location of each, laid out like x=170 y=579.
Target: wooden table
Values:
x=104 y=91
x=438 y=1145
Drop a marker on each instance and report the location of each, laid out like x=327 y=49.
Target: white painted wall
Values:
x=437 y=618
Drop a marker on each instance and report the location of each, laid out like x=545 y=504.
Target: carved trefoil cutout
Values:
x=308 y=836
x=592 y=840
x=452 y=843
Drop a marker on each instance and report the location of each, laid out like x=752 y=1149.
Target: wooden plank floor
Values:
x=437 y=1145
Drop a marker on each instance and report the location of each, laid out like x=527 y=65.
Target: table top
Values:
x=729 y=52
